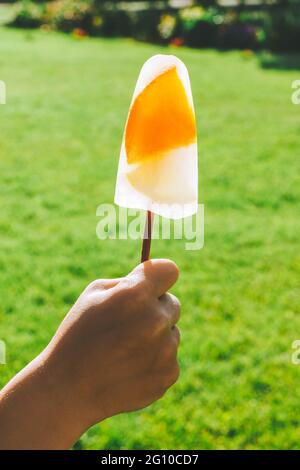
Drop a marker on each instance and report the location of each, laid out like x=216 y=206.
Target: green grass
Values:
x=60 y=136
x=6 y=13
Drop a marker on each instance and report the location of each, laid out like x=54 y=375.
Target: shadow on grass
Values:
x=268 y=60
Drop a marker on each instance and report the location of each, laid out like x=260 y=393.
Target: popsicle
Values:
x=158 y=161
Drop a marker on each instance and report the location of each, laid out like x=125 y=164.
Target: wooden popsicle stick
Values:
x=147 y=237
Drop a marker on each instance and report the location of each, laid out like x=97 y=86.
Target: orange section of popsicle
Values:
x=160 y=119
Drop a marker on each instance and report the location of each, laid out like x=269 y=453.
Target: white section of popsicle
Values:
x=171 y=186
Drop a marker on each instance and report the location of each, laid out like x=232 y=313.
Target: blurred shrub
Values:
x=167 y=27
x=283 y=27
x=111 y=23
x=214 y=28
x=271 y=60
x=278 y=27
x=67 y=15
x=152 y=25
x=200 y=27
x=28 y=15
x=238 y=34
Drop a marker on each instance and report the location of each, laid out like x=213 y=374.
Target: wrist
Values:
x=79 y=402
x=38 y=410
x=66 y=401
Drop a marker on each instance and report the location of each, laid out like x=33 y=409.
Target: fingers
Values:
x=176 y=335
x=104 y=284
x=157 y=275
x=166 y=361
x=161 y=274
x=171 y=306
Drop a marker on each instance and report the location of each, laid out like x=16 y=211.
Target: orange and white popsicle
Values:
x=158 y=168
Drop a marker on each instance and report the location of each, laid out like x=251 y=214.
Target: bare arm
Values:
x=115 y=351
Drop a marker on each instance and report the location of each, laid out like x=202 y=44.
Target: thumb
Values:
x=159 y=275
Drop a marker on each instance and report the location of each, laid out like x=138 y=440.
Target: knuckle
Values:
x=176 y=306
x=176 y=335
x=95 y=285
x=136 y=290
x=159 y=322
x=132 y=296
x=176 y=301
x=125 y=285
x=172 y=307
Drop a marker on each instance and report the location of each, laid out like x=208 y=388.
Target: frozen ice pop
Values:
x=158 y=161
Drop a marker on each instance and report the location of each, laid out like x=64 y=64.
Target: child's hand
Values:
x=118 y=345
x=115 y=351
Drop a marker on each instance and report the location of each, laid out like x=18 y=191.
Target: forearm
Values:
x=114 y=352
x=37 y=410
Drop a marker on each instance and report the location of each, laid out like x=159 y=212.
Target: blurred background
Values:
x=225 y=24
x=70 y=68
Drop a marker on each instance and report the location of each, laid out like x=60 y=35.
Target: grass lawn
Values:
x=6 y=12
x=61 y=131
